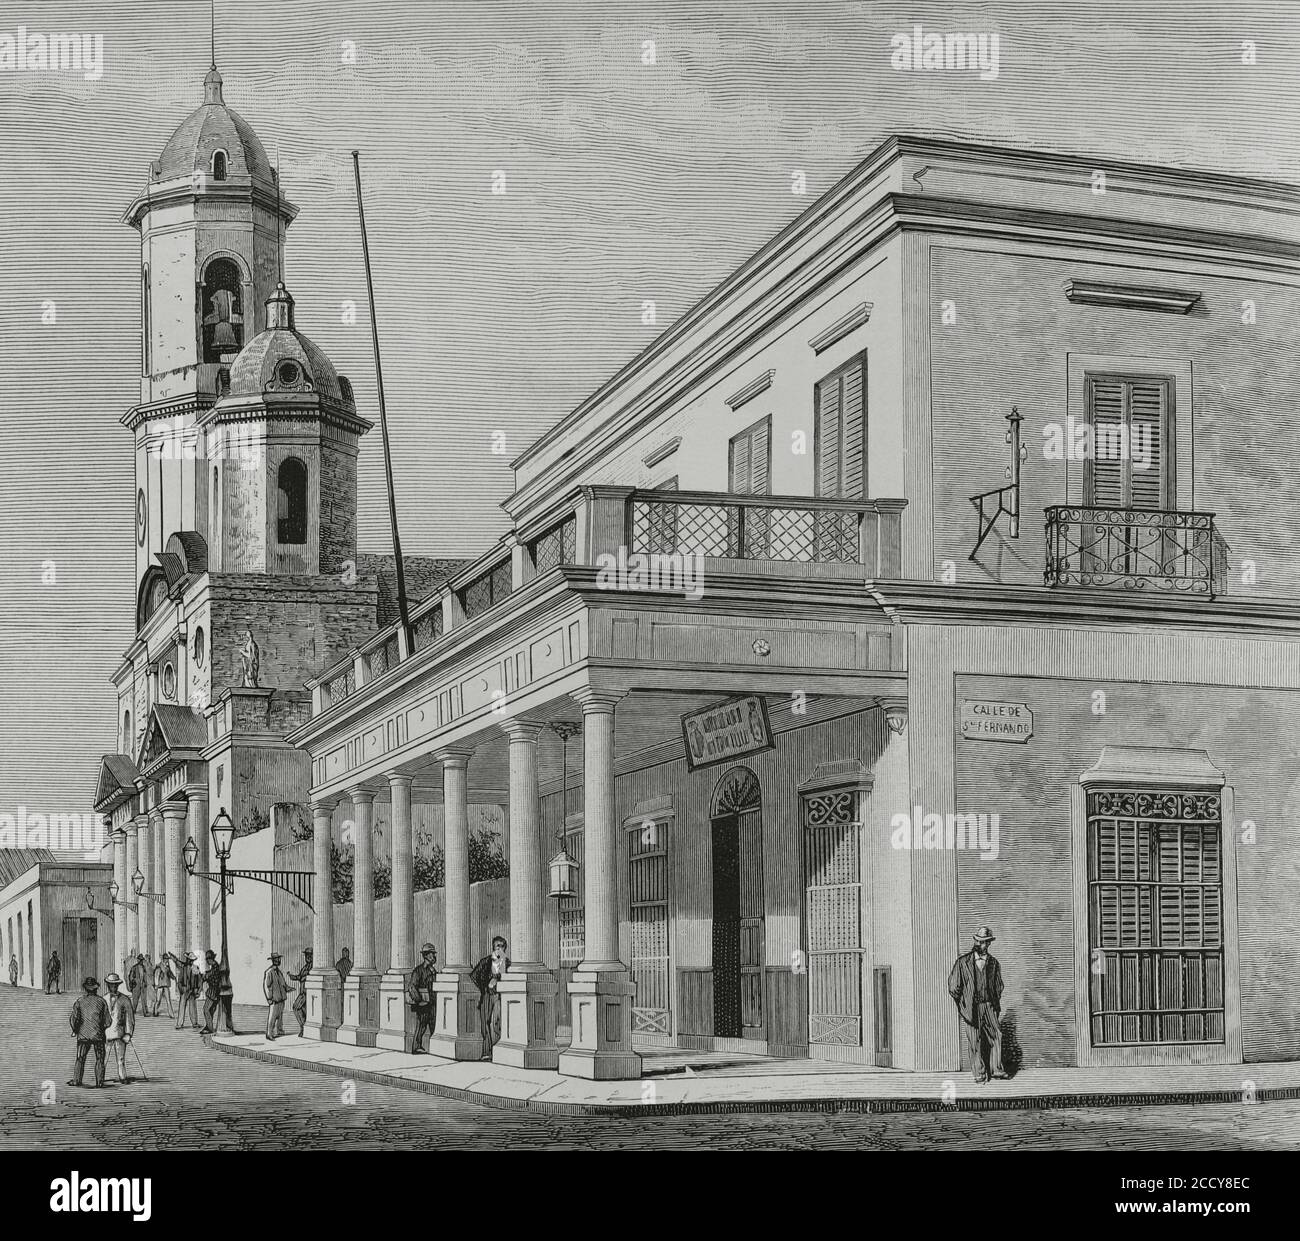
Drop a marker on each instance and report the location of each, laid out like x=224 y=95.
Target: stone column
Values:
x=144 y=863
x=527 y=992
x=128 y=894
x=159 y=885
x=198 y=900
x=120 y=911
x=456 y=1030
x=601 y=991
x=324 y=988
x=361 y=991
x=396 y=1017
x=175 y=816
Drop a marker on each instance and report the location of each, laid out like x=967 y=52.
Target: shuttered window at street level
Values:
x=840 y=418
x=1155 y=916
x=649 y=957
x=1131 y=420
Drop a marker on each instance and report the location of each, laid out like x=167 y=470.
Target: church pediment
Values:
x=117 y=776
x=173 y=735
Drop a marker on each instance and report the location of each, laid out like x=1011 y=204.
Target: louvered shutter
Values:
x=758 y=460
x=851 y=447
x=828 y=436
x=1146 y=426
x=740 y=449
x=1107 y=418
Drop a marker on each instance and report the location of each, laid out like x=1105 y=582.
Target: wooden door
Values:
x=753 y=952
x=726 y=927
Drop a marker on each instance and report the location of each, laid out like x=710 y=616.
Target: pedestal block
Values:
x=527 y=1020
x=360 y=1022
x=601 y=1005
x=456 y=1028
x=324 y=1006
x=396 y=1016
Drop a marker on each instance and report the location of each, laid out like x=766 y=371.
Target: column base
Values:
x=396 y=1016
x=324 y=1005
x=360 y=1022
x=456 y=1033
x=527 y=1020
x=601 y=1004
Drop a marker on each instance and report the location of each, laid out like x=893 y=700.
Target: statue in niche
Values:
x=250 y=657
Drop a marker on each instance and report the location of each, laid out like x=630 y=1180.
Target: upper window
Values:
x=218 y=165
x=1129 y=465
x=223 y=311
x=839 y=423
x=749 y=460
x=291 y=509
x=486 y=590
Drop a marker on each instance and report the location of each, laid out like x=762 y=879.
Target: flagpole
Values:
x=383 y=416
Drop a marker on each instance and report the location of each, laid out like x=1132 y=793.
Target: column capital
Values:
x=453 y=758
x=323 y=805
x=399 y=778
x=155 y=816
x=196 y=792
x=597 y=701
x=176 y=810
x=361 y=796
x=521 y=730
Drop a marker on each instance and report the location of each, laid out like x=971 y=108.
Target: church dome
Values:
x=211 y=128
x=281 y=359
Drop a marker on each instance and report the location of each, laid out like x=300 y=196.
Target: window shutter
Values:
x=1146 y=426
x=851 y=450
x=1107 y=473
x=758 y=461
x=740 y=465
x=828 y=436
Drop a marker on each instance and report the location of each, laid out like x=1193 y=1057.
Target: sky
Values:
x=625 y=181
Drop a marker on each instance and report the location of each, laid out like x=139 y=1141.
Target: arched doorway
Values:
x=738 y=931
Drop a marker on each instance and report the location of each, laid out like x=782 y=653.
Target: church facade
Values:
x=937 y=570
x=247 y=576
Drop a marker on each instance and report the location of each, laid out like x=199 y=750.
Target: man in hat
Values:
x=211 y=992
x=421 y=994
x=187 y=991
x=13 y=970
x=344 y=965
x=486 y=974
x=121 y=1024
x=138 y=983
x=276 y=989
x=300 y=999
x=89 y=1022
x=162 y=984
x=975 y=985
x=53 y=972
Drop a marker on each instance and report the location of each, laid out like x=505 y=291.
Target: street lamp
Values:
x=223 y=836
x=564 y=870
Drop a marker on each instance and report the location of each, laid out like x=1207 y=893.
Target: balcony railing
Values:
x=1135 y=549
x=790 y=529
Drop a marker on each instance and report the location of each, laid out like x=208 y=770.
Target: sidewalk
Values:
x=675 y=1081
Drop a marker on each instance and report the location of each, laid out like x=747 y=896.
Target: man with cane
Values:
x=121 y=1024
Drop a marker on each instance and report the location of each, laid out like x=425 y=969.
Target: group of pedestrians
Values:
x=486 y=976
x=98 y=1024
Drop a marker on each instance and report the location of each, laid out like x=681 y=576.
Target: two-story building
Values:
x=855 y=676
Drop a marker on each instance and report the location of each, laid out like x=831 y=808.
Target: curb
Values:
x=721 y=1107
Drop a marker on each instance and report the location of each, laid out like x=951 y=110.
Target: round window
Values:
x=141 y=517
x=169 y=682
x=197 y=647
x=288 y=374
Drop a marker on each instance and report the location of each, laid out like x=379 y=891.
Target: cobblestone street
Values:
x=197 y=1098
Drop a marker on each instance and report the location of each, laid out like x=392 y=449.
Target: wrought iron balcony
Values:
x=1135 y=549
x=791 y=529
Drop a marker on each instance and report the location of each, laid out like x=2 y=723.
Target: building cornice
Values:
x=932 y=603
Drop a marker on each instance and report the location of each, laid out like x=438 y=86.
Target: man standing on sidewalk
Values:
x=421 y=995
x=975 y=985
x=187 y=991
x=121 y=1024
x=89 y=1022
x=300 y=999
x=138 y=982
x=13 y=970
x=486 y=974
x=162 y=984
x=211 y=992
x=53 y=972
x=276 y=989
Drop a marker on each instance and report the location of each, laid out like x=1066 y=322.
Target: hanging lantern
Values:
x=137 y=881
x=223 y=833
x=191 y=855
x=113 y=890
x=564 y=874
